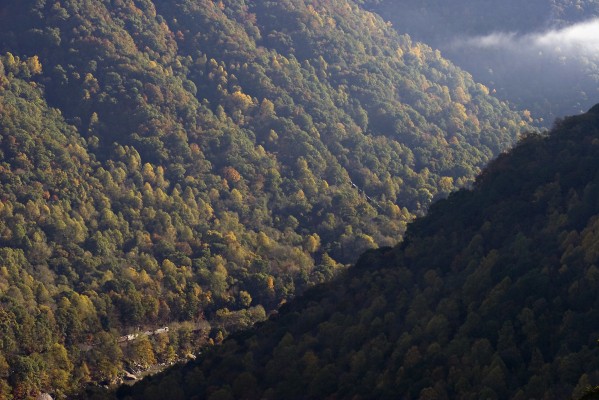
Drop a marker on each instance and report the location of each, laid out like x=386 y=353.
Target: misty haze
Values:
x=577 y=40
x=538 y=69
x=544 y=57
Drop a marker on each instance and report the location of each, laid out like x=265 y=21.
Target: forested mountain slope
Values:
x=193 y=164
x=492 y=295
x=540 y=55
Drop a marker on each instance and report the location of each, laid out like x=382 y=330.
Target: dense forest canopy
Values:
x=492 y=295
x=540 y=55
x=194 y=164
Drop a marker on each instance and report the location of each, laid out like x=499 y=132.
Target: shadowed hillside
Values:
x=491 y=295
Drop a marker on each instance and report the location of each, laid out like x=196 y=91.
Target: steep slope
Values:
x=492 y=295
x=540 y=55
x=191 y=165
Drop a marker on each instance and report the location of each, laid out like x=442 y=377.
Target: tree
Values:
x=140 y=353
x=105 y=357
x=26 y=377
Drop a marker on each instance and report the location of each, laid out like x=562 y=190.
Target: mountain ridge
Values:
x=492 y=293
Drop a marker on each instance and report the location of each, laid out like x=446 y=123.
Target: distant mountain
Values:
x=539 y=55
x=191 y=165
x=492 y=295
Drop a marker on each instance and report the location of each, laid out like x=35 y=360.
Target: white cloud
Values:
x=581 y=38
x=497 y=39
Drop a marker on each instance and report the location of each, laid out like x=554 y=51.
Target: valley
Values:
x=263 y=182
